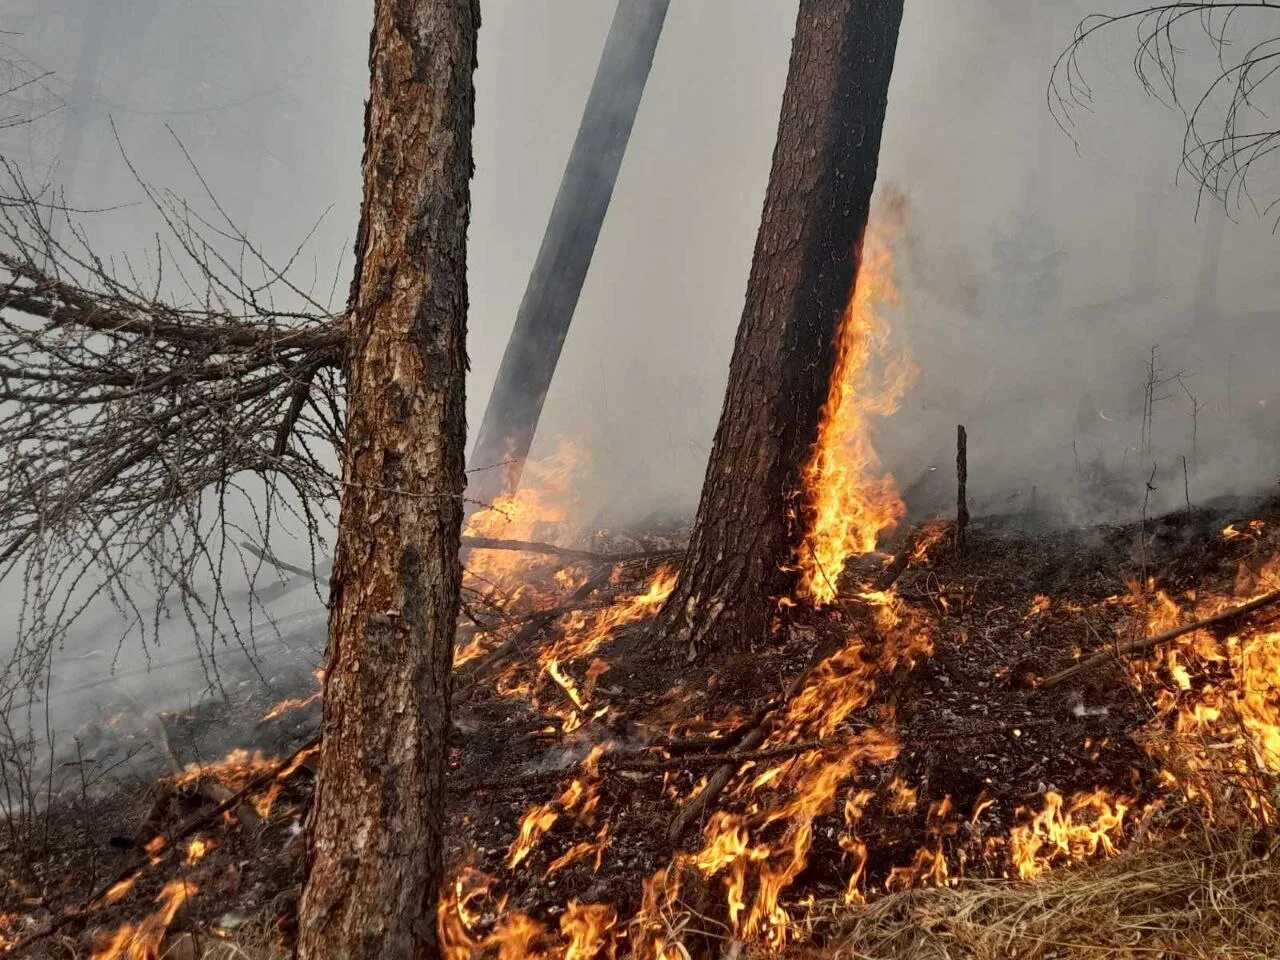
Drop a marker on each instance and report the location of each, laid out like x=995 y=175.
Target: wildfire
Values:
x=198 y=849
x=143 y=941
x=587 y=930
x=291 y=703
x=233 y=770
x=578 y=800
x=1066 y=832
x=846 y=502
x=539 y=511
x=1216 y=729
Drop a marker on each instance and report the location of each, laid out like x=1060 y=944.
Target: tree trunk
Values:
x=802 y=274
x=542 y=322
x=376 y=858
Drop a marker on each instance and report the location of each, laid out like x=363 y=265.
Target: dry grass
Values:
x=1214 y=896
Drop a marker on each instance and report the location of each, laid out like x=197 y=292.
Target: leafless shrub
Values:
x=1229 y=129
x=155 y=412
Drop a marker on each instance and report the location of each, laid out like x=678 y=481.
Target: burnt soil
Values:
x=973 y=727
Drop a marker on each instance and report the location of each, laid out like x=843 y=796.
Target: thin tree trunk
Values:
x=806 y=260
x=376 y=858
x=542 y=323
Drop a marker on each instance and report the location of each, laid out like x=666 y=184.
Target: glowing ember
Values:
x=198 y=849
x=846 y=503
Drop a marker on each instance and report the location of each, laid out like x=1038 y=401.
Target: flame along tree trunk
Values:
x=376 y=853
x=806 y=259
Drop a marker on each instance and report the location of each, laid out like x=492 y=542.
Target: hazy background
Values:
x=1036 y=272
x=1035 y=279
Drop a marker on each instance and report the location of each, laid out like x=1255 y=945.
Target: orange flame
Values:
x=847 y=503
x=1059 y=834
x=142 y=942
x=539 y=511
x=1216 y=729
x=198 y=849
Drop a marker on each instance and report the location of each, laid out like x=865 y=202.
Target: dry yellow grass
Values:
x=1215 y=896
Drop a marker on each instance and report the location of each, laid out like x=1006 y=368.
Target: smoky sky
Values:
x=1037 y=269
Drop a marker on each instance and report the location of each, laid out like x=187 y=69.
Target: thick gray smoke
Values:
x=1037 y=273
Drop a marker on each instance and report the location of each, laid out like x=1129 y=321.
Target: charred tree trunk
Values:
x=542 y=323
x=376 y=858
x=806 y=259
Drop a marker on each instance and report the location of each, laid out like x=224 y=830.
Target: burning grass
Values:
x=1210 y=894
x=850 y=785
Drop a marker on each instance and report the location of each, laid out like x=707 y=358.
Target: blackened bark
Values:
x=802 y=274
x=376 y=857
x=542 y=322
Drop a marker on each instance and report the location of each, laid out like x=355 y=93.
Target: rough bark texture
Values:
x=802 y=274
x=376 y=854
x=542 y=322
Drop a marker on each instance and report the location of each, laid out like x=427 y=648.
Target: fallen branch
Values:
x=754 y=732
x=1146 y=643
x=642 y=763
x=183 y=831
x=528 y=633
x=751 y=734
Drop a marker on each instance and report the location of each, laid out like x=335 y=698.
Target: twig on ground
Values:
x=1146 y=643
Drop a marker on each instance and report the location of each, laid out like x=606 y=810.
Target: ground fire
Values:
x=502 y=709
x=903 y=735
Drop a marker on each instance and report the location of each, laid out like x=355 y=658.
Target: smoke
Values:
x=1037 y=273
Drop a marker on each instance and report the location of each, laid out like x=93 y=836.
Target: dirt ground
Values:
x=979 y=741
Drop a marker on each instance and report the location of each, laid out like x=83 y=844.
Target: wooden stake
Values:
x=962 y=478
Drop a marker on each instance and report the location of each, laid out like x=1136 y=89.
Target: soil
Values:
x=1019 y=603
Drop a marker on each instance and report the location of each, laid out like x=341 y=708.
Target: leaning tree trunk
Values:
x=542 y=322
x=376 y=852
x=802 y=274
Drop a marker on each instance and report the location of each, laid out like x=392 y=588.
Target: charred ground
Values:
x=981 y=743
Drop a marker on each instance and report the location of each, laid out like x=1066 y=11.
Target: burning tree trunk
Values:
x=515 y=405
x=376 y=856
x=749 y=524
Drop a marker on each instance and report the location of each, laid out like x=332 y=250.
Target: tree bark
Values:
x=376 y=857
x=551 y=296
x=802 y=274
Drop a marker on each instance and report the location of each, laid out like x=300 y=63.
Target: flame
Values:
x=120 y=889
x=587 y=930
x=143 y=941
x=8 y=930
x=540 y=510
x=588 y=926
x=198 y=849
x=1216 y=729
x=579 y=799
x=846 y=502
x=234 y=770
x=759 y=853
x=291 y=703
x=1059 y=834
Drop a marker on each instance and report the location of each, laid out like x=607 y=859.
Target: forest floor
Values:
x=914 y=817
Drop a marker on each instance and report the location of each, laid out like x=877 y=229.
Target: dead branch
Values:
x=153 y=411
x=527 y=634
x=1146 y=643
x=1227 y=130
x=645 y=763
